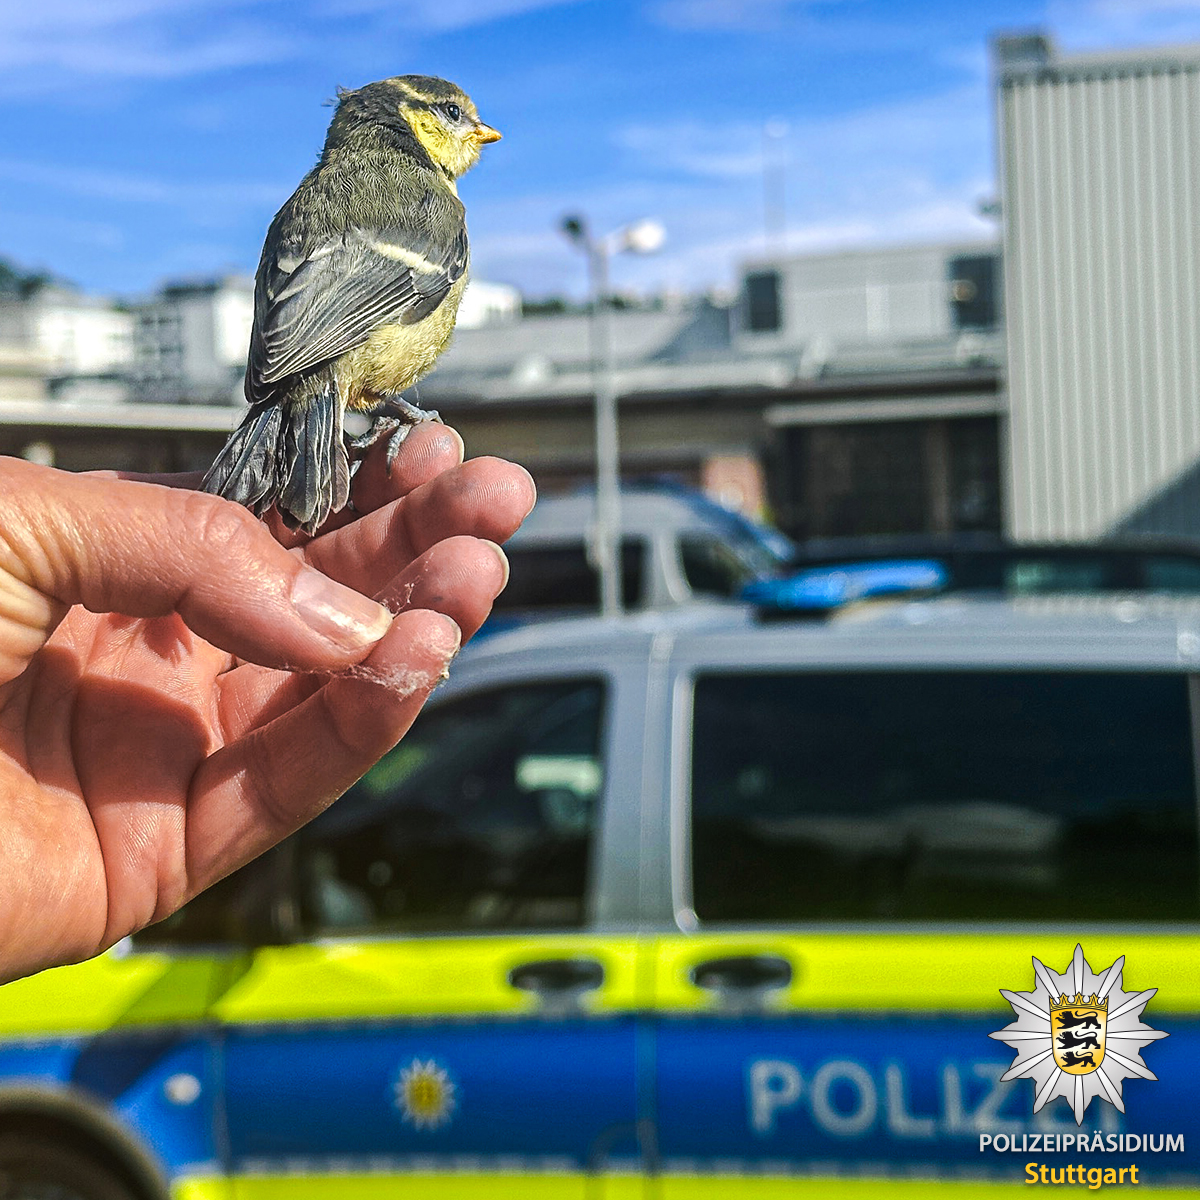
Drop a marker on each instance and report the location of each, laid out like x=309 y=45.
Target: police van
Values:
x=677 y=546
x=704 y=903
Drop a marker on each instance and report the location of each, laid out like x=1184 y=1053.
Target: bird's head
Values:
x=440 y=115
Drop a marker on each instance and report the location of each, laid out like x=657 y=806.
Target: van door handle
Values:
x=741 y=973
x=557 y=977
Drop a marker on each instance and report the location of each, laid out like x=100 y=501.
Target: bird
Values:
x=355 y=296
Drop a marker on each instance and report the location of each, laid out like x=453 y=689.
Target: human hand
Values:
x=179 y=691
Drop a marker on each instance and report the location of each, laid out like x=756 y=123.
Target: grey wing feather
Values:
x=245 y=470
x=310 y=309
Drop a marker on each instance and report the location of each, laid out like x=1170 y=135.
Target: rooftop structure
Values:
x=712 y=392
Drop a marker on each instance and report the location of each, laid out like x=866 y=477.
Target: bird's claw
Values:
x=393 y=419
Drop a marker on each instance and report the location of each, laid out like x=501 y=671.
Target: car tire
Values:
x=33 y=1167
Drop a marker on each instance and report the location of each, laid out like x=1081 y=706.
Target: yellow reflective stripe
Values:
x=928 y=972
x=758 y=1187
x=421 y=976
x=465 y=976
x=520 y=1186
x=429 y=1186
x=202 y=1189
x=186 y=991
x=133 y=989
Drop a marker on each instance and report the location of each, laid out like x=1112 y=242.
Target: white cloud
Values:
x=65 y=16
x=54 y=228
x=710 y=233
x=128 y=187
x=932 y=133
x=441 y=16
x=692 y=262
x=729 y=150
x=57 y=45
x=905 y=172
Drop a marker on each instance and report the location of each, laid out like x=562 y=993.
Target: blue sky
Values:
x=145 y=140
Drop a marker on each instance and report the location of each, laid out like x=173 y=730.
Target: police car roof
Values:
x=645 y=512
x=1157 y=632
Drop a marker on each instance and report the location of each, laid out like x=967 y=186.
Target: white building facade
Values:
x=81 y=341
x=191 y=342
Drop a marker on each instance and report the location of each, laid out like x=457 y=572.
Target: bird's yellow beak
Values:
x=485 y=133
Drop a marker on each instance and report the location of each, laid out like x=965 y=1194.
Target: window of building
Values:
x=762 y=301
x=973 y=796
x=482 y=818
x=872 y=478
x=973 y=474
x=973 y=290
x=867 y=478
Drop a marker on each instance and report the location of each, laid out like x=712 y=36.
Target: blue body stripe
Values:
x=891 y=1093
x=538 y=1088
x=887 y=1093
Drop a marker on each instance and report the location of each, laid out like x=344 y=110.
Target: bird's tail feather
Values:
x=290 y=455
x=314 y=469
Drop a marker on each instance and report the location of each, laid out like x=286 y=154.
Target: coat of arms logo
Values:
x=1077 y=1032
x=1078 y=1035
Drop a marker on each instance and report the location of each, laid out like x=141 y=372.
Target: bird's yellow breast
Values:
x=396 y=356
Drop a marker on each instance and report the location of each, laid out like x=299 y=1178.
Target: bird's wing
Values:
x=312 y=306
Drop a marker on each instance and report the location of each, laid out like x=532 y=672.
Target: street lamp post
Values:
x=643 y=237
x=774 y=156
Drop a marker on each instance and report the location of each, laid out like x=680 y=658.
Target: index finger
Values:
x=116 y=546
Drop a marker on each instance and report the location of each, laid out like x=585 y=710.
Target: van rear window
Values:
x=957 y=795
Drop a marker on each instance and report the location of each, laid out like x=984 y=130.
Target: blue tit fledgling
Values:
x=356 y=294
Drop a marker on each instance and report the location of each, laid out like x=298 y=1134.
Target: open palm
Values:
x=179 y=691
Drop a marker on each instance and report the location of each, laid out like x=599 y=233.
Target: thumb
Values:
x=143 y=550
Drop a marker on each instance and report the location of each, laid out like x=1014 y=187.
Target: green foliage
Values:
x=10 y=279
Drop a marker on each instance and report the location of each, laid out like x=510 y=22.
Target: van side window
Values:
x=564 y=579
x=1172 y=573
x=710 y=566
x=482 y=818
x=965 y=795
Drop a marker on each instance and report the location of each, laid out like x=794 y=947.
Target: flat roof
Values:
x=1033 y=56
x=198 y=418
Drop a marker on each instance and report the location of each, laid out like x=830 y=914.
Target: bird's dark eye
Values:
x=453 y=111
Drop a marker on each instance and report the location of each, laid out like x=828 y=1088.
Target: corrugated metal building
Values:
x=1100 y=163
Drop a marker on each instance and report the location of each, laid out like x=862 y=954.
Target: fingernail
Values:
x=503 y=562
x=462 y=446
x=532 y=492
x=340 y=614
x=449 y=641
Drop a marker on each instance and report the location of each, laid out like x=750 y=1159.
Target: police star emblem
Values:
x=1078 y=1035
x=425 y=1094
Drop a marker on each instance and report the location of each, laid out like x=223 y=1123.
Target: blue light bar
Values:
x=821 y=589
